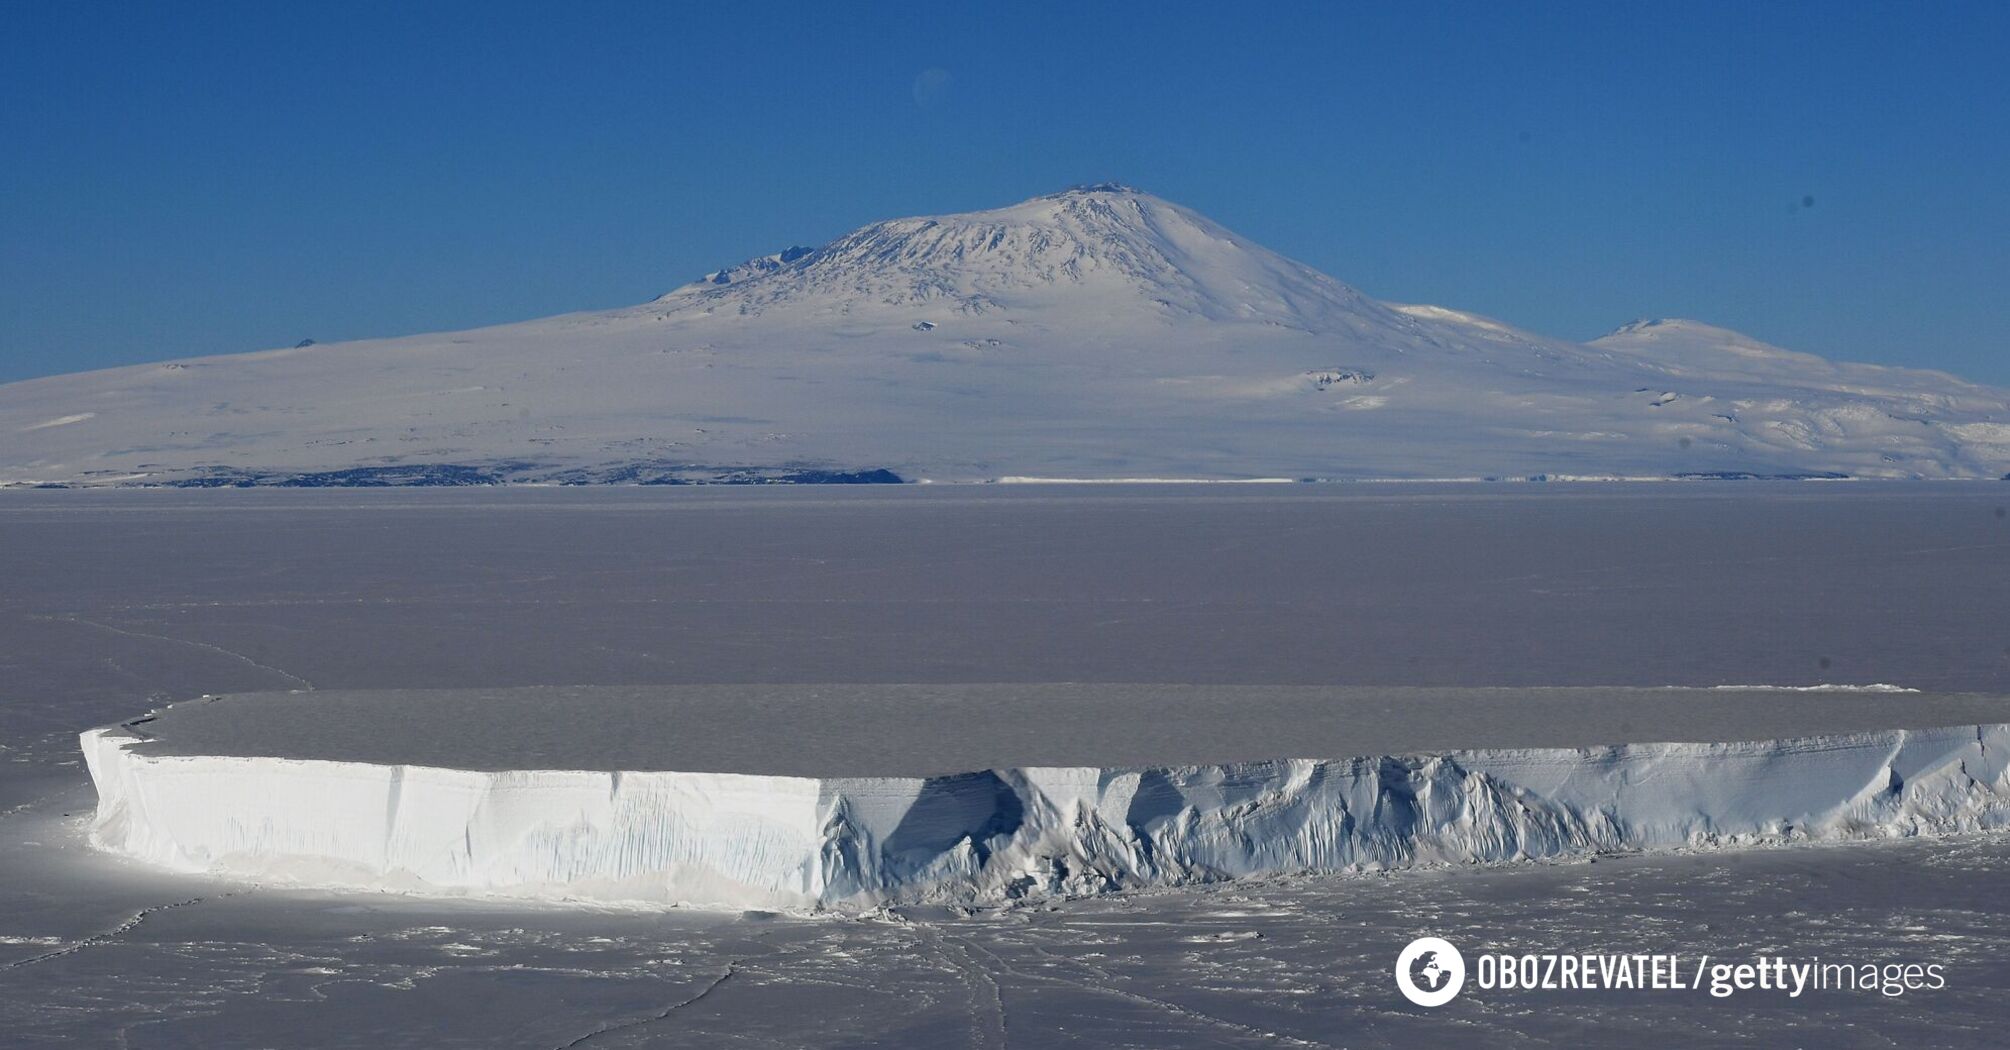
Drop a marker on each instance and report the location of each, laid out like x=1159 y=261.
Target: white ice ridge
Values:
x=849 y=844
x=1872 y=687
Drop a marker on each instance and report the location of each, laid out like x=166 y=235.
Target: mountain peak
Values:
x=1105 y=246
x=1084 y=188
x=1665 y=327
x=1697 y=343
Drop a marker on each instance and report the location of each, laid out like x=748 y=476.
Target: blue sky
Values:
x=204 y=178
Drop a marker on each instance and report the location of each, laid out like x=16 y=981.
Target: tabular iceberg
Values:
x=857 y=843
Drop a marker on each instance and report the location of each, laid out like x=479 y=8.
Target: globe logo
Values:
x=1430 y=972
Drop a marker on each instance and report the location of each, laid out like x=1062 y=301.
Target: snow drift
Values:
x=734 y=840
x=1096 y=333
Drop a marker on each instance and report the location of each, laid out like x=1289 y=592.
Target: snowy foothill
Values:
x=455 y=792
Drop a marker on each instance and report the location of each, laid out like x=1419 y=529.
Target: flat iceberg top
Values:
x=929 y=730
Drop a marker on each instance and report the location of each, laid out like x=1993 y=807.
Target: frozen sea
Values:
x=114 y=602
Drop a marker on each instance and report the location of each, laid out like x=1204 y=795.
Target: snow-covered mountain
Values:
x=1096 y=333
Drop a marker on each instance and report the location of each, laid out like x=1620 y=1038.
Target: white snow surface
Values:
x=1096 y=333
x=854 y=843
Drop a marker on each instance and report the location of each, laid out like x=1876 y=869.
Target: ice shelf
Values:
x=856 y=842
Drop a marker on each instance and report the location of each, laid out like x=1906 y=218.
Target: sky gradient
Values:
x=211 y=178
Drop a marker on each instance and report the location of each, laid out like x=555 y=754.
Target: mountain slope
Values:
x=1099 y=332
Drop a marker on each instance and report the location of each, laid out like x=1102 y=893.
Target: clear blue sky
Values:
x=198 y=177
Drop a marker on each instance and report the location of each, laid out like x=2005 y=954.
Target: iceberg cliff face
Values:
x=738 y=840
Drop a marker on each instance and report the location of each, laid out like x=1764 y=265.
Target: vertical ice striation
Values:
x=742 y=840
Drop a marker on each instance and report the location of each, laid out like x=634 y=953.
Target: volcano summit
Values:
x=1096 y=333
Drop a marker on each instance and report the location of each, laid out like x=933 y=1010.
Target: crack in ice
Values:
x=732 y=970
x=240 y=657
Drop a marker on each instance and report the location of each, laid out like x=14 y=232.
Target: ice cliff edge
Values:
x=849 y=844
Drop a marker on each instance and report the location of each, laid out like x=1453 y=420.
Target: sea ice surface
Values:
x=117 y=603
